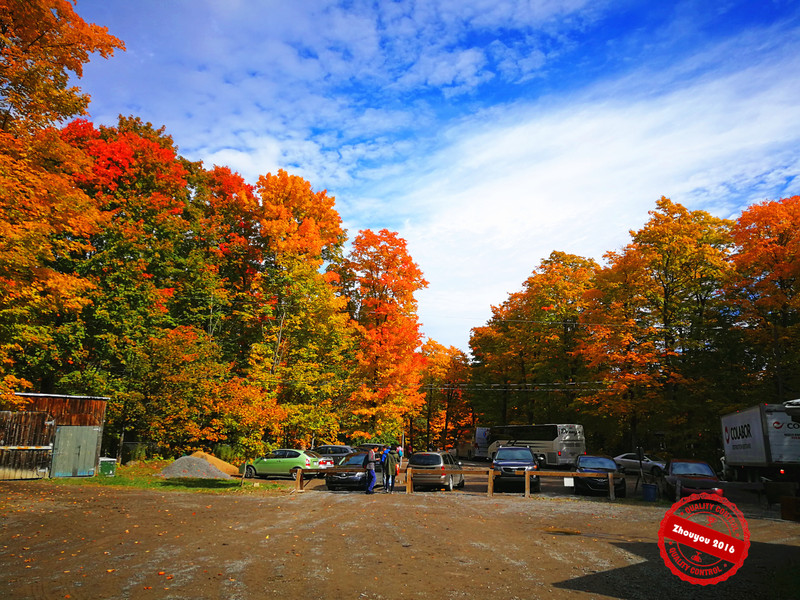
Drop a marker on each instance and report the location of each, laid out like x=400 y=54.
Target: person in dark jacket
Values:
x=384 y=452
x=390 y=470
x=369 y=463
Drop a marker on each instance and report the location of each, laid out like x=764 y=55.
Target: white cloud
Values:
x=445 y=120
x=577 y=177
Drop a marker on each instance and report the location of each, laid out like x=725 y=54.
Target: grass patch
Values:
x=145 y=475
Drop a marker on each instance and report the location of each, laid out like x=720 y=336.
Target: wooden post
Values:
x=299 y=480
x=409 y=482
x=527 y=484
x=490 y=487
x=611 y=486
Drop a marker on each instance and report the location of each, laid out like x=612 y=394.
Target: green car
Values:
x=283 y=463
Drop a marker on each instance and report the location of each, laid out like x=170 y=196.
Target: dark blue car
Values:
x=598 y=485
x=511 y=462
x=350 y=480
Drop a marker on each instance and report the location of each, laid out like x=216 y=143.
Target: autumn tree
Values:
x=41 y=44
x=527 y=350
x=380 y=279
x=446 y=415
x=622 y=352
x=306 y=346
x=307 y=351
x=653 y=312
x=247 y=415
x=186 y=399
x=492 y=369
x=136 y=262
x=765 y=290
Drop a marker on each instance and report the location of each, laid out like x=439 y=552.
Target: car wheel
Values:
x=623 y=492
x=249 y=471
x=537 y=487
x=449 y=486
x=462 y=483
x=293 y=473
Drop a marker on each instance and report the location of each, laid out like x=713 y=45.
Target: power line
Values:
x=581 y=386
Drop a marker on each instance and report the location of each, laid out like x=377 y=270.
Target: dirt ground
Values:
x=81 y=542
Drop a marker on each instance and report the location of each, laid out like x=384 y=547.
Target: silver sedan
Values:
x=630 y=462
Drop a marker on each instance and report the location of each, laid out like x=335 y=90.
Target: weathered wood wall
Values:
x=69 y=410
x=26 y=444
x=29 y=453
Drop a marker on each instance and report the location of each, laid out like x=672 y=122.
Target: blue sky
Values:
x=488 y=133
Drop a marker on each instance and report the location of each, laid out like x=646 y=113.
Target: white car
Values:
x=630 y=462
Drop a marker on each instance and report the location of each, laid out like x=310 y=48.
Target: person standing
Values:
x=369 y=464
x=384 y=453
x=390 y=470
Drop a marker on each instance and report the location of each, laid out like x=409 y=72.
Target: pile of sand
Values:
x=223 y=466
x=194 y=467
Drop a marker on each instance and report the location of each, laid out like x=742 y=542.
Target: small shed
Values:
x=26 y=444
x=52 y=434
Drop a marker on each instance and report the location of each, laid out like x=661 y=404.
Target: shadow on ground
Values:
x=769 y=571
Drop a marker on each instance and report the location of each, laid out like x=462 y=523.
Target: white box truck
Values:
x=475 y=448
x=761 y=442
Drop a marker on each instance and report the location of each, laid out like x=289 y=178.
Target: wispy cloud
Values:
x=488 y=133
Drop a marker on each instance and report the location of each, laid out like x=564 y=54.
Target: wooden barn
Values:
x=52 y=435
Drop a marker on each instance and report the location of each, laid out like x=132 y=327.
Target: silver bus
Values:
x=559 y=444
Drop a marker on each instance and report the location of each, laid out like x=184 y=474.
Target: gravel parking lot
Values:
x=100 y=542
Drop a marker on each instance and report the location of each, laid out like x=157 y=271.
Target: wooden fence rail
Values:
x=488 y=473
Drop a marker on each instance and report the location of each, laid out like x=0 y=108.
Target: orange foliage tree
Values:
x=527 y=350
x=42 y=42
x=380 y=278
x=306 y=346
x=187 y=399
x=766 y=291
x=651 y=314
x=446 y=415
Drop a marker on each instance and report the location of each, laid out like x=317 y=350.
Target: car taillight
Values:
x=308 y=462
x=442 y=469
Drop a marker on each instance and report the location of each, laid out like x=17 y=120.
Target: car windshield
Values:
x=692 y=468
x=356 y=460
x=596 y=462
x=514 y=454
x=425 y=460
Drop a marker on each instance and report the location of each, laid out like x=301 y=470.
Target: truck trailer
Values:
x=761 y=443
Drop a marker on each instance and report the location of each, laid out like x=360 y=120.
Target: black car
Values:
x=599 y=485
x=337 y=453
x=376 y=448
x=351 y=480
x=512 y=462
x=694 y=477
